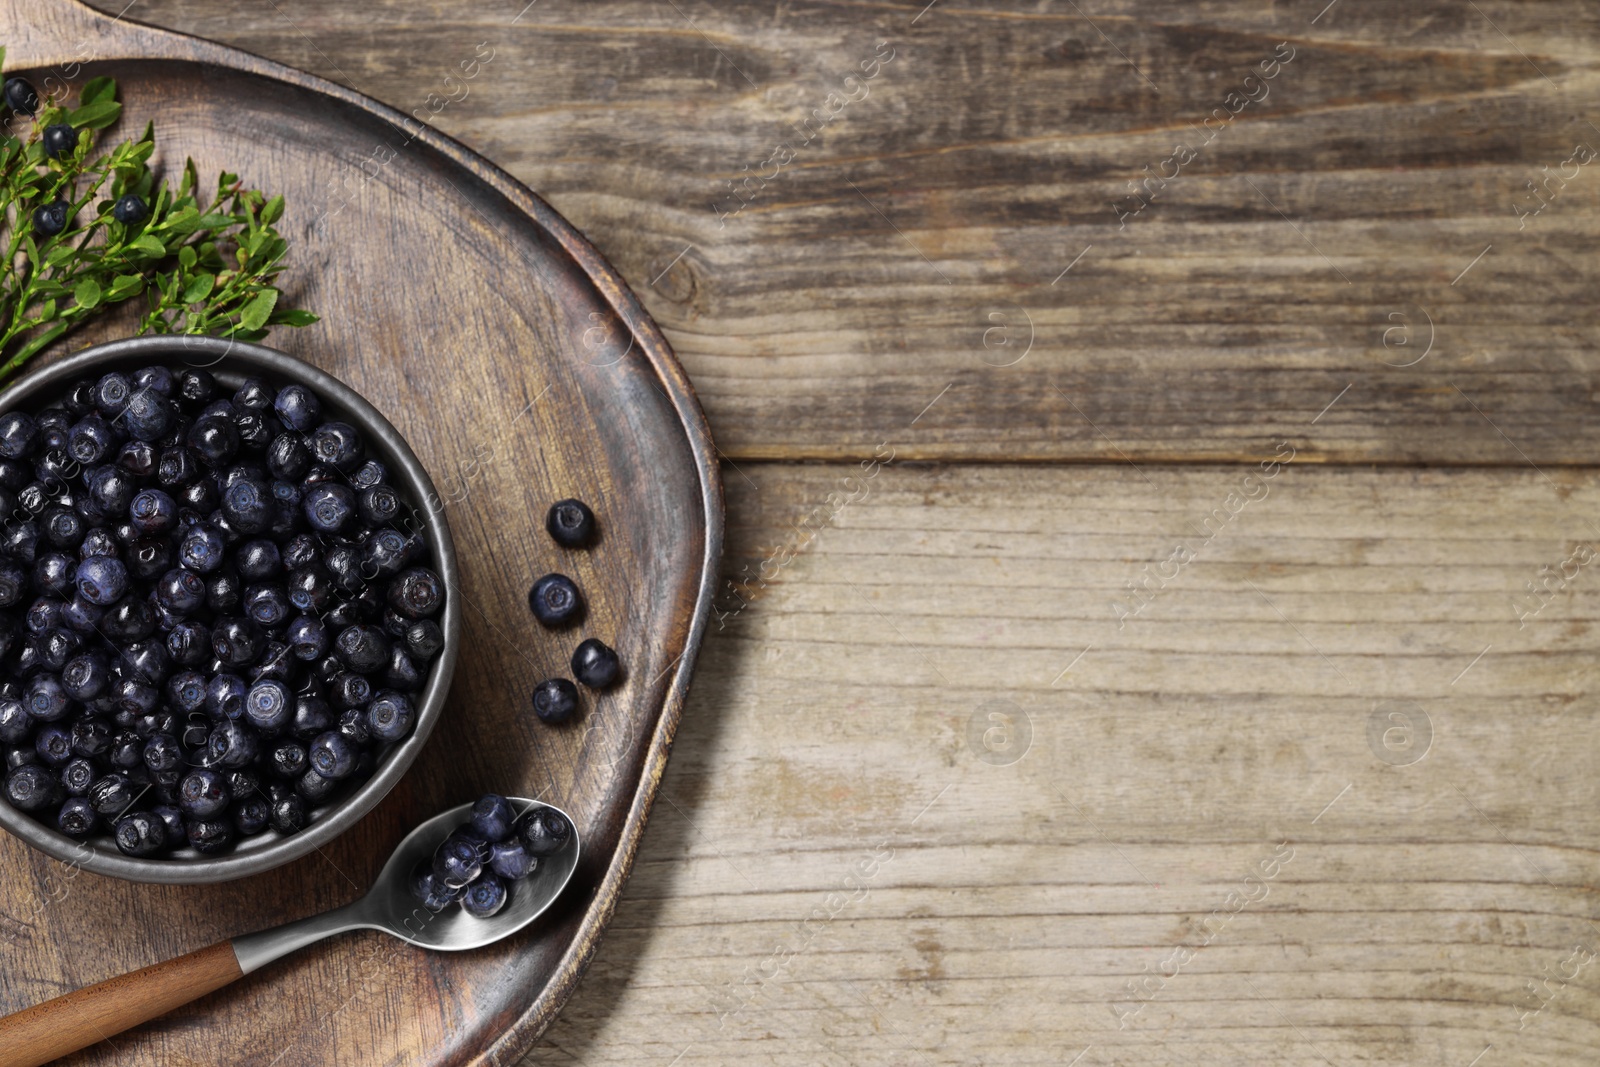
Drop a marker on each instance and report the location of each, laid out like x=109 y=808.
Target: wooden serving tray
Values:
x=521 y=370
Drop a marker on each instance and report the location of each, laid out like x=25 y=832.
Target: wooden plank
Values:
x=1007 y=905
x=918 y=243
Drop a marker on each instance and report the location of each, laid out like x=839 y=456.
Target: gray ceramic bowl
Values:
x=231 y=362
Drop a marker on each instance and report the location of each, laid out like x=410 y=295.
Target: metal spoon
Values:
x=45 y=1031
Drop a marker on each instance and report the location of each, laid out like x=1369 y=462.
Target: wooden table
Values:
x=1161 y=528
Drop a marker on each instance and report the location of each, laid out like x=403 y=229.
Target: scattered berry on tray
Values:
x=555 y=700
x=555 y=600
x=483 y=858
x=571 y=523
x=595 y=664
x=213 y=615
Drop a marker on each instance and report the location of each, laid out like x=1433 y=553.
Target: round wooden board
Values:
x=521 y=370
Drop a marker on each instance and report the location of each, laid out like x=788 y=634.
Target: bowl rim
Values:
x=206 y=353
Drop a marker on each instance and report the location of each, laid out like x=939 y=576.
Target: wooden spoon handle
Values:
x=45 y=1031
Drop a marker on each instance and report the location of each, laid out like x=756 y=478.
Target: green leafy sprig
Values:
x=204 y=268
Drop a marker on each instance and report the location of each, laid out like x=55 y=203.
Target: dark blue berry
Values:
x=236 y=641
x=418 y=592
x=17 y=433
x=362 y=648
x=85 y=676
x=259 y=560
x=113 y=795
x=21 y=96
x=554 y=600
x=110 y=394
x=77 y=818
x=248 y=506
x=570 y=523
x=132 y=618
x=177 y=467
x=251 y=816
x=53 y=743
x=59 y=139
x=555 y=700
x=181 y=591
x=225 y=695
x=147 y=415
x=350 y=690
x=214 y=439
x=429 y=891
x=16 y=725
x=53 y=575
x=50 y=219
x=201 y=548
x=141 y=833
x=595 y=664
x=458 y=861
x=224 y=592
x=338 y=445
x=424 y=639
x=307 y=638
x=153 y=512
x=297 y=408
x=102 y=580
x=384 y=553
x=370 y=473
x=210 y=836
x=13 y=584
x=232 y=745
x=111 y=489
x=289 y=759
x=492 y=817
x=329 y=507
x=544 y=831
x=267 y=605
x=332 y=756
x=269 y=706
x=314 y=788
x=63 y=527
x=391 y=716
x=312 y=716
x=289 y=814
x=45 y=700
x=90 y=737
x=484 y=897
x=163 y=753
x=355 y=727
x=89 y=439
x=130 y=209
x=511 y=859
x=189 y=644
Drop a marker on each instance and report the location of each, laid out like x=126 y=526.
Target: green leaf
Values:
x=258 y=309
x=273 y=211
x=293 y=317
x=98 y=89
x=149 y=245
x=124 y=286
x=96 y=116
x=87 y=293
x=199 y=288
x=187 y=257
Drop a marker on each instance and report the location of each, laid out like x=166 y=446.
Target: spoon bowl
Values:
x=47 y=1031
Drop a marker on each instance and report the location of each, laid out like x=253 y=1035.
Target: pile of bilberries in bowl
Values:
x=223 y=617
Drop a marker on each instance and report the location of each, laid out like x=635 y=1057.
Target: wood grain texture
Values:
x=99 y=1012
x=918 y=241
x=521 y=371
x=1006 y=908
